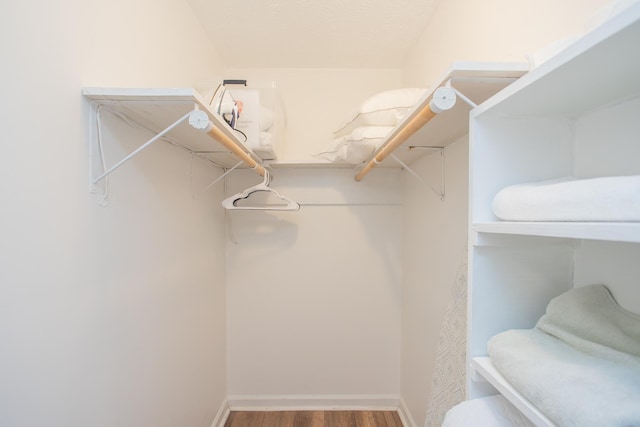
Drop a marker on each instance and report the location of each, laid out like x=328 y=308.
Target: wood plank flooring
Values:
x=313 y=419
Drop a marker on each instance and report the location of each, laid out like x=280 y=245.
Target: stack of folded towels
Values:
x=580 y=365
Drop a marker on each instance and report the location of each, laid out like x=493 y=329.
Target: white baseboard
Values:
x=314 y=402
x=222 y=415
x=405 y=415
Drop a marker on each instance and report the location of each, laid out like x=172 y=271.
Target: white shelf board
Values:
x=157 y=108
x=484 y=367
x=611 y=231
x=597 y=70
x=308 y=164
x=477 y=81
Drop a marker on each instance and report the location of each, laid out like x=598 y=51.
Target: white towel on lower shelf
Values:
x=571 y=388
x=494 y=411
x=578 y=366
x=591 y=321
x=615 y=198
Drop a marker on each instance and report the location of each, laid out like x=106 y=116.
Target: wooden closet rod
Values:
x=200 y=120
x=444 y=98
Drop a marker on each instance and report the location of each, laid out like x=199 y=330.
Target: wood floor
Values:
x=314 y=419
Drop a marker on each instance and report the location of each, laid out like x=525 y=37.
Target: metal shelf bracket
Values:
x=441 y=191
x=139 y=149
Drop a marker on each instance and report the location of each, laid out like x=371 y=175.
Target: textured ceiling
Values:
x=313 y=33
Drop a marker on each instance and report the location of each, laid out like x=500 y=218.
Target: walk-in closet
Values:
x=293 y=213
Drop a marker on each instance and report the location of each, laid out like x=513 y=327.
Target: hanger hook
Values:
x=267 y=178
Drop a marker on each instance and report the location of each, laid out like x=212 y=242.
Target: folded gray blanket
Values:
x=580 y=364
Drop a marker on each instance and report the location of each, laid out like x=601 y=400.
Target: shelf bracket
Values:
x=461 y=95
x=226 y=172
x=441 y=191
x=106 y=173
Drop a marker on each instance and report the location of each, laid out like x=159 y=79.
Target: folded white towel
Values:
x=494 y=411
x=266 y=139
x=591 y=321
x=580 y=364
x=358 y=146
x=265 y=150
x=266 y=119
x=570 y=387
x=568 y=199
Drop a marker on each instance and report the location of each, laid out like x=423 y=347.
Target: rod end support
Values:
x=444 y=98
x=200 y=120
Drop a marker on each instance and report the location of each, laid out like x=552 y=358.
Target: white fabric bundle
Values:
x=266 y=119
x=579 y=365
x=615 y=198
x=358 y=146
x=494 y=411
x=265 y=150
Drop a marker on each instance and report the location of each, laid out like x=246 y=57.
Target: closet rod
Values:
x=444 y=98
x=200 y=120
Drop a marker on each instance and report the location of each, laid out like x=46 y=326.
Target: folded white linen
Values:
x=266 y=119
x=574 y=366
x=591 y=321
x=358 y=146
x=615 y=198
x=347 y=151
x=266 y=138
x=494 y=411
x=266 y=150
x=570 y=387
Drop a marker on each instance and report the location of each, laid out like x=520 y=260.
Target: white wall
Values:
x=435 y=234
x=460 y=30
x=492 y=30
x=314 y=296
x=116 y=315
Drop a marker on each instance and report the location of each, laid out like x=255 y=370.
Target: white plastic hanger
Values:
x=289 y=205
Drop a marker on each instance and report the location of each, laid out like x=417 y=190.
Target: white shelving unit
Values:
x=577 y=114
x=620 y=231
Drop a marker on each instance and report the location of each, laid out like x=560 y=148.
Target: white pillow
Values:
x=494 y=411
x=383 y=109
x=358 y=146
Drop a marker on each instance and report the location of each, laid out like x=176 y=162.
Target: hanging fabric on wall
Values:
x=448 y=383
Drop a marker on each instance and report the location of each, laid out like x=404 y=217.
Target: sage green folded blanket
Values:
x=580 y=365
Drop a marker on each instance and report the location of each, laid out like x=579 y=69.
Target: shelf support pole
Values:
x=227 y=172
x=444 y=98
x=461 y=95
x=139 y=149
x=200 y=120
